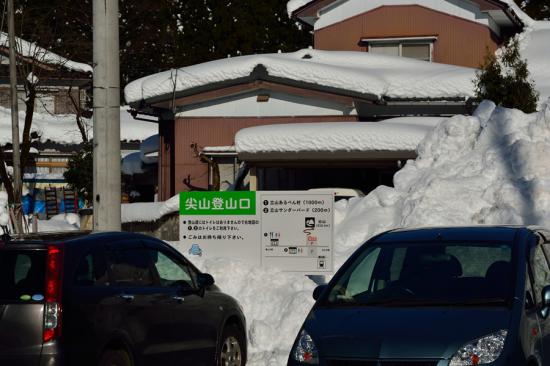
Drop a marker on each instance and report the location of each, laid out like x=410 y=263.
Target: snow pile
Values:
x=32 y=50
x=535 y=47
x=149 y=211
x=59 y=223
x=376 y=76
x=275 y=305
x=64 y=130
x=399 y=134
x=4 y=217
x=491 y=168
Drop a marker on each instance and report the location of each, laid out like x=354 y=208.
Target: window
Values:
x=440 y=273
x=541 y=272
x=172 y=273
x=131 y=268
x=92 y=271
x=22 y=275
x=385 y=49
x=419 y=48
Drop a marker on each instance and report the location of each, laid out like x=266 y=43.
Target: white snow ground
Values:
x=63 y=129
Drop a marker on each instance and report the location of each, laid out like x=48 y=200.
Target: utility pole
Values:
x=107 y=184
x=17 y=184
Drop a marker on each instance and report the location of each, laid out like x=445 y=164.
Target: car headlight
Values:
x=482 y=351
x=305 y=350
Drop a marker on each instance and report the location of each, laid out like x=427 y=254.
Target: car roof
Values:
x=75 y=237
x=458 y=233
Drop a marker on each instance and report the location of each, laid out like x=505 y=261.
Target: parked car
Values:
x=112 y=299
x=435 y=297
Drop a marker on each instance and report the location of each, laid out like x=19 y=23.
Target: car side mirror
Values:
x=205 y=280
x=319 y=291
x=545 y=302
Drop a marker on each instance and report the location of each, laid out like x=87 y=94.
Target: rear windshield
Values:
x=22 y=275
x=404 y=274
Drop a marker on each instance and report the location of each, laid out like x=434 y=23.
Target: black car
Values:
x=435 y=297
x=112 y=299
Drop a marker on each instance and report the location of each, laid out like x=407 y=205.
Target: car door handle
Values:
x=179 y=299
x=126 y=297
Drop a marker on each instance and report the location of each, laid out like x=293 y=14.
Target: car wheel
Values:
x=231 y=348
x=115 y=358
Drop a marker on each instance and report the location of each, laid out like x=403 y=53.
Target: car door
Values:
x=540 y=273
x=141 y=303
x=545 y=323
x=195 y=319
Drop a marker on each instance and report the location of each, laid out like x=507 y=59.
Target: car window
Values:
x=131 y=267
x=360 y=280
x=431 y=272
x=540 y=271
x=171 y=271
x=92 y=271
x=22 y=275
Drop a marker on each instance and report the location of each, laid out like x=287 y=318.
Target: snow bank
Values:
x=63 y=129
x=28 y=49
x=491 y=168
x=149 y=211
x=59 y=223
x=361 y=72
x=535 y=47
x=400 y=134
x=4 y=217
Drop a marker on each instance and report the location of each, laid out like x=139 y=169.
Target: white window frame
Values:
x=402 y=40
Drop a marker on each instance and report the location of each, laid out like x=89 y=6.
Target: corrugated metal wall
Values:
x=203 y=132
x=459 y=41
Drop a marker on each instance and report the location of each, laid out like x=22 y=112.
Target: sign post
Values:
x=289 y=230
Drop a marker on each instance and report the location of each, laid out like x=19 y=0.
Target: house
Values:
x=200 y=108
x=354 y=74
x=457 y=32
x=62 y=85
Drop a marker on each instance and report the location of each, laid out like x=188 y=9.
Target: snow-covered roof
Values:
x=294 y=5
x=337 y=140
x=28 y=49
x=360 y=72
x=63 y=129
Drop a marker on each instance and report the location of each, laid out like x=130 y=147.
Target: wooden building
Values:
x=62 y=85
x=453 y=32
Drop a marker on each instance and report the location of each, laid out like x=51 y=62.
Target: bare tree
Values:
x=36 y=66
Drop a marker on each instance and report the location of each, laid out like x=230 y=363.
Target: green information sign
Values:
x=217 y=203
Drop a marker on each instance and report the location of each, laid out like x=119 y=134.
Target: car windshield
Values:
x=408 y=274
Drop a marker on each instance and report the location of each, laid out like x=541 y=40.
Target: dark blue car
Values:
x=435 y=297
